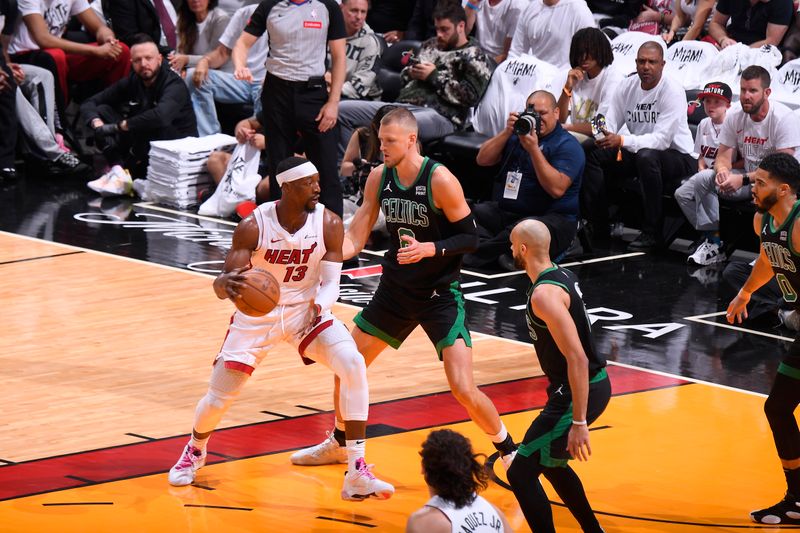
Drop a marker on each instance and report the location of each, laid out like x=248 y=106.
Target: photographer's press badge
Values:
x=513 y=180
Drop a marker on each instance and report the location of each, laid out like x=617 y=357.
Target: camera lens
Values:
x=523 y=125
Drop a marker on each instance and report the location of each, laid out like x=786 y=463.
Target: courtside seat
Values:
x=393 y=60
x=458 y=152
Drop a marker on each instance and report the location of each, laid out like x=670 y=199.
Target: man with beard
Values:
x=657 y=149
x=440 y=84
x=303 y=230
x=775 y=183
x=430 y=228
x=151 y=104
x=578 y=390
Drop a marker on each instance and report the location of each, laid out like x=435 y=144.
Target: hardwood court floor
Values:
x=105 y=354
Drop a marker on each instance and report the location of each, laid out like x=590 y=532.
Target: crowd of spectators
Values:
x=104 y=78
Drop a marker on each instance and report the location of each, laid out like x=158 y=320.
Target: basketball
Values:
x=260 y=294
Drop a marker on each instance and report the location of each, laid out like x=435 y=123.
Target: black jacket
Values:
x=161 y=111
x=129 y=17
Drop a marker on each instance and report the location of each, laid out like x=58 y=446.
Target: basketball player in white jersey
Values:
x=454 y=477
x=299 y=242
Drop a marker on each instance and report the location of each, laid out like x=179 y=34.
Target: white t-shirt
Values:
x=479 y=516
x=593 y=96
x=56 y=14
x=257 y=56
x=512 y=81
x=655 y=118
x=689 y=61
x=754 y=140
x=546 y=31
x=496 y=23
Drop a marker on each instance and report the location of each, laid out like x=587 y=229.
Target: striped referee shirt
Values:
x=298 y=35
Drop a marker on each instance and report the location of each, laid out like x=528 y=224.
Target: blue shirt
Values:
x=564 y=153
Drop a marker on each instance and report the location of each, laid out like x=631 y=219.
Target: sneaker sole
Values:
x=361 y=497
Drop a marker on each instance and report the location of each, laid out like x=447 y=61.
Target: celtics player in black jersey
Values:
x=430 y=227
x=775 y=185
x=578 y=392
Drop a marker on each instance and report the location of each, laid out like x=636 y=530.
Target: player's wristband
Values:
x=579 y=423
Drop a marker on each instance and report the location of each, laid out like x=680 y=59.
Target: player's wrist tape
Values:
x=580 y=423
x=464 y=241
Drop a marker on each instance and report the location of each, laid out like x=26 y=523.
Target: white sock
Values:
x=200 y=444
x=501 y=435
x=355 y=451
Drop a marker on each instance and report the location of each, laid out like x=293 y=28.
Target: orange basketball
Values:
x=260 y=294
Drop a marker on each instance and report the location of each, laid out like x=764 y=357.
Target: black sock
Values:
x=523 y=476
x=570 y=489
x=507 y=446
x=793 y=482
x=338 y=434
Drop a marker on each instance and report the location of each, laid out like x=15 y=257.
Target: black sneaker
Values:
x=506 y=262
x=7 y=174
x=68 y=163
x=786 y=511
x=645 y=242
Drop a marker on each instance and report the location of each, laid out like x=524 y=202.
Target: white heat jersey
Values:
x=294 y=259
x=479 y=516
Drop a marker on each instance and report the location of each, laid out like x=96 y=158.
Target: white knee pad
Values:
x=223 y=387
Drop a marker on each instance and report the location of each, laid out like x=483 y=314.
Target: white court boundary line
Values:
x=380 y=253
x=700 y=319
x=351 y=306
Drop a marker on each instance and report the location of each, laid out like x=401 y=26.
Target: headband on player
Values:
x=295 y=173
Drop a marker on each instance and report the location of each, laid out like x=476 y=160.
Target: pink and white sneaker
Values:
x=362 y=484
x=192 y=459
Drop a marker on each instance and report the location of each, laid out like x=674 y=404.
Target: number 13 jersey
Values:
x=294 y=259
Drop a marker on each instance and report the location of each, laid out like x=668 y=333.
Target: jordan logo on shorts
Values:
x=435 y=294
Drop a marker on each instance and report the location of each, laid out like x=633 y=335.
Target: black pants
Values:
x=289 y=109
x=8 y=120
x=494 y=232
x=658 y=172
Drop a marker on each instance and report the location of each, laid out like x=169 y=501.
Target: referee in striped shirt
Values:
x=295 y=98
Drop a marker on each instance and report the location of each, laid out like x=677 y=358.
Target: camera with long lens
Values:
x=527 y=122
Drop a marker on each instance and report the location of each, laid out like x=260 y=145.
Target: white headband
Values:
x=295 y=173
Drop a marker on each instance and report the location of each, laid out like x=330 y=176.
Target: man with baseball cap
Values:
x=693 y=195
x=757 y=129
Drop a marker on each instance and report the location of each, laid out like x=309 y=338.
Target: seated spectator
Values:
x=363 y=152
x=200 y=25
x=590 y=83
x=159 y=108
x=363 y=50
x=614 y=16
x=757 y=129
x=389 y=18
x=540 y=178
x=450 y=76
x=751 y=22
x=454 y=477
x=546 y=27
x=496 y=22
x=655 y=15
x=156 y=18
x=693 y=15
x=249 y=131
x=210 y=81
x=8 y=88
x=38 y=41
x=657 y=147
x=691 y=196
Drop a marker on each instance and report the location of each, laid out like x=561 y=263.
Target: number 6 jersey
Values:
x=293 y=259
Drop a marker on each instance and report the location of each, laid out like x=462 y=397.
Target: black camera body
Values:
x=527 y=122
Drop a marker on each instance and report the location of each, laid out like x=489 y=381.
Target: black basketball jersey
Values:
x=410 y=211
x=777 y=244
x=552 y=361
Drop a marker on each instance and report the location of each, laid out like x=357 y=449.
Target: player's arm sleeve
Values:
x=330 y=273
x=464 y=241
